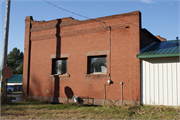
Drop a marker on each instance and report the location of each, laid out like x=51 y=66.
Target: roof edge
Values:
x=158 y=55
x=89 y=19
x=145 y=30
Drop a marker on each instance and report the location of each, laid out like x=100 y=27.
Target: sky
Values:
x=160 y=17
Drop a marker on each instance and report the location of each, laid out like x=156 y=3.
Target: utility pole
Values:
x=5 y=48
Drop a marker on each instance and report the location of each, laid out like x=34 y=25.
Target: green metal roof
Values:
x=160 y=49
x=15 y=79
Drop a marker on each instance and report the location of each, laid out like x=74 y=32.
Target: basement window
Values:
x=97 y=64
x=59 y=66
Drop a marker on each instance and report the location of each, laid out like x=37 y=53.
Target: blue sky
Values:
x=160 y=17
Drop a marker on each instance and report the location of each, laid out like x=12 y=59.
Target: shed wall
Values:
x=160 y=81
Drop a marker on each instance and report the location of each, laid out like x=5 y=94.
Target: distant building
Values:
x=66 y=57
x=16 y=82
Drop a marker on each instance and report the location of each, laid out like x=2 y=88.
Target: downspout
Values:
x=109 y=52
x=109 y=27
x=104 y=93
x=121 y=93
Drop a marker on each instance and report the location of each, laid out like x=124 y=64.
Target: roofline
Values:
x=14 y=82
x=159 y=55
x=98 y=19
x=145 y=30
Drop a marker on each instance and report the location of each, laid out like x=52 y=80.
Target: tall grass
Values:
x=31 y=109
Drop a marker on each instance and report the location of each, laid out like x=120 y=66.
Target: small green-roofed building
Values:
x=160 y=73
x=160 y=49
x=16 y=82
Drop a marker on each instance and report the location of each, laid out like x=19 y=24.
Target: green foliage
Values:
x=20 y=69
x=15 y=61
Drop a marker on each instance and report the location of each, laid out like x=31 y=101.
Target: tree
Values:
x=15 y=61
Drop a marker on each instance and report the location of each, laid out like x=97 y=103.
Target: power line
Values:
x=75 y=13
x=67 y=10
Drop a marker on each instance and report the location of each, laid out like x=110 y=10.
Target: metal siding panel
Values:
x=176 y=50
x=161 y=101
x=142 y=73
x=161 y=49
x=172 y=49
x=178 y=82
x=168 y=50
x=161 y=81
x=169 y=84
x=174 y=89
x=144 y=82
x=157 y=48
x=151 y=84
x=149 y=50
x=165 y=83
x=147 y=83
x=156 y=82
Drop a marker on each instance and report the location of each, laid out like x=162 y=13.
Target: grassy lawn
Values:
x=39 y=110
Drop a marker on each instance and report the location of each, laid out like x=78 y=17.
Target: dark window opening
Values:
x=97 y=64
x=59 y=66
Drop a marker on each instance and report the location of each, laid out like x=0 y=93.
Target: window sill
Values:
x=60 y=76
x=96 y=75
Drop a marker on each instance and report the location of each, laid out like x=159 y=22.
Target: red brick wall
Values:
x=77 y=37
x=26 y=64
x=160 y=38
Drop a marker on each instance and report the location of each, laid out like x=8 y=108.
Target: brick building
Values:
x=66 y=57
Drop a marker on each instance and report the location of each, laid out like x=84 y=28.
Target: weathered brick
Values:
x=75 y=38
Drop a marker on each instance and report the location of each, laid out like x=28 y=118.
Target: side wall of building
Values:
x=160 y=81
x=76 y=40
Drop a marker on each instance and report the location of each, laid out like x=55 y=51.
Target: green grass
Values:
x=38 y=110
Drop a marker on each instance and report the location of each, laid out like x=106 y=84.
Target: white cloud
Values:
x=147 y=1
x=171 y=4
x=1 y=1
